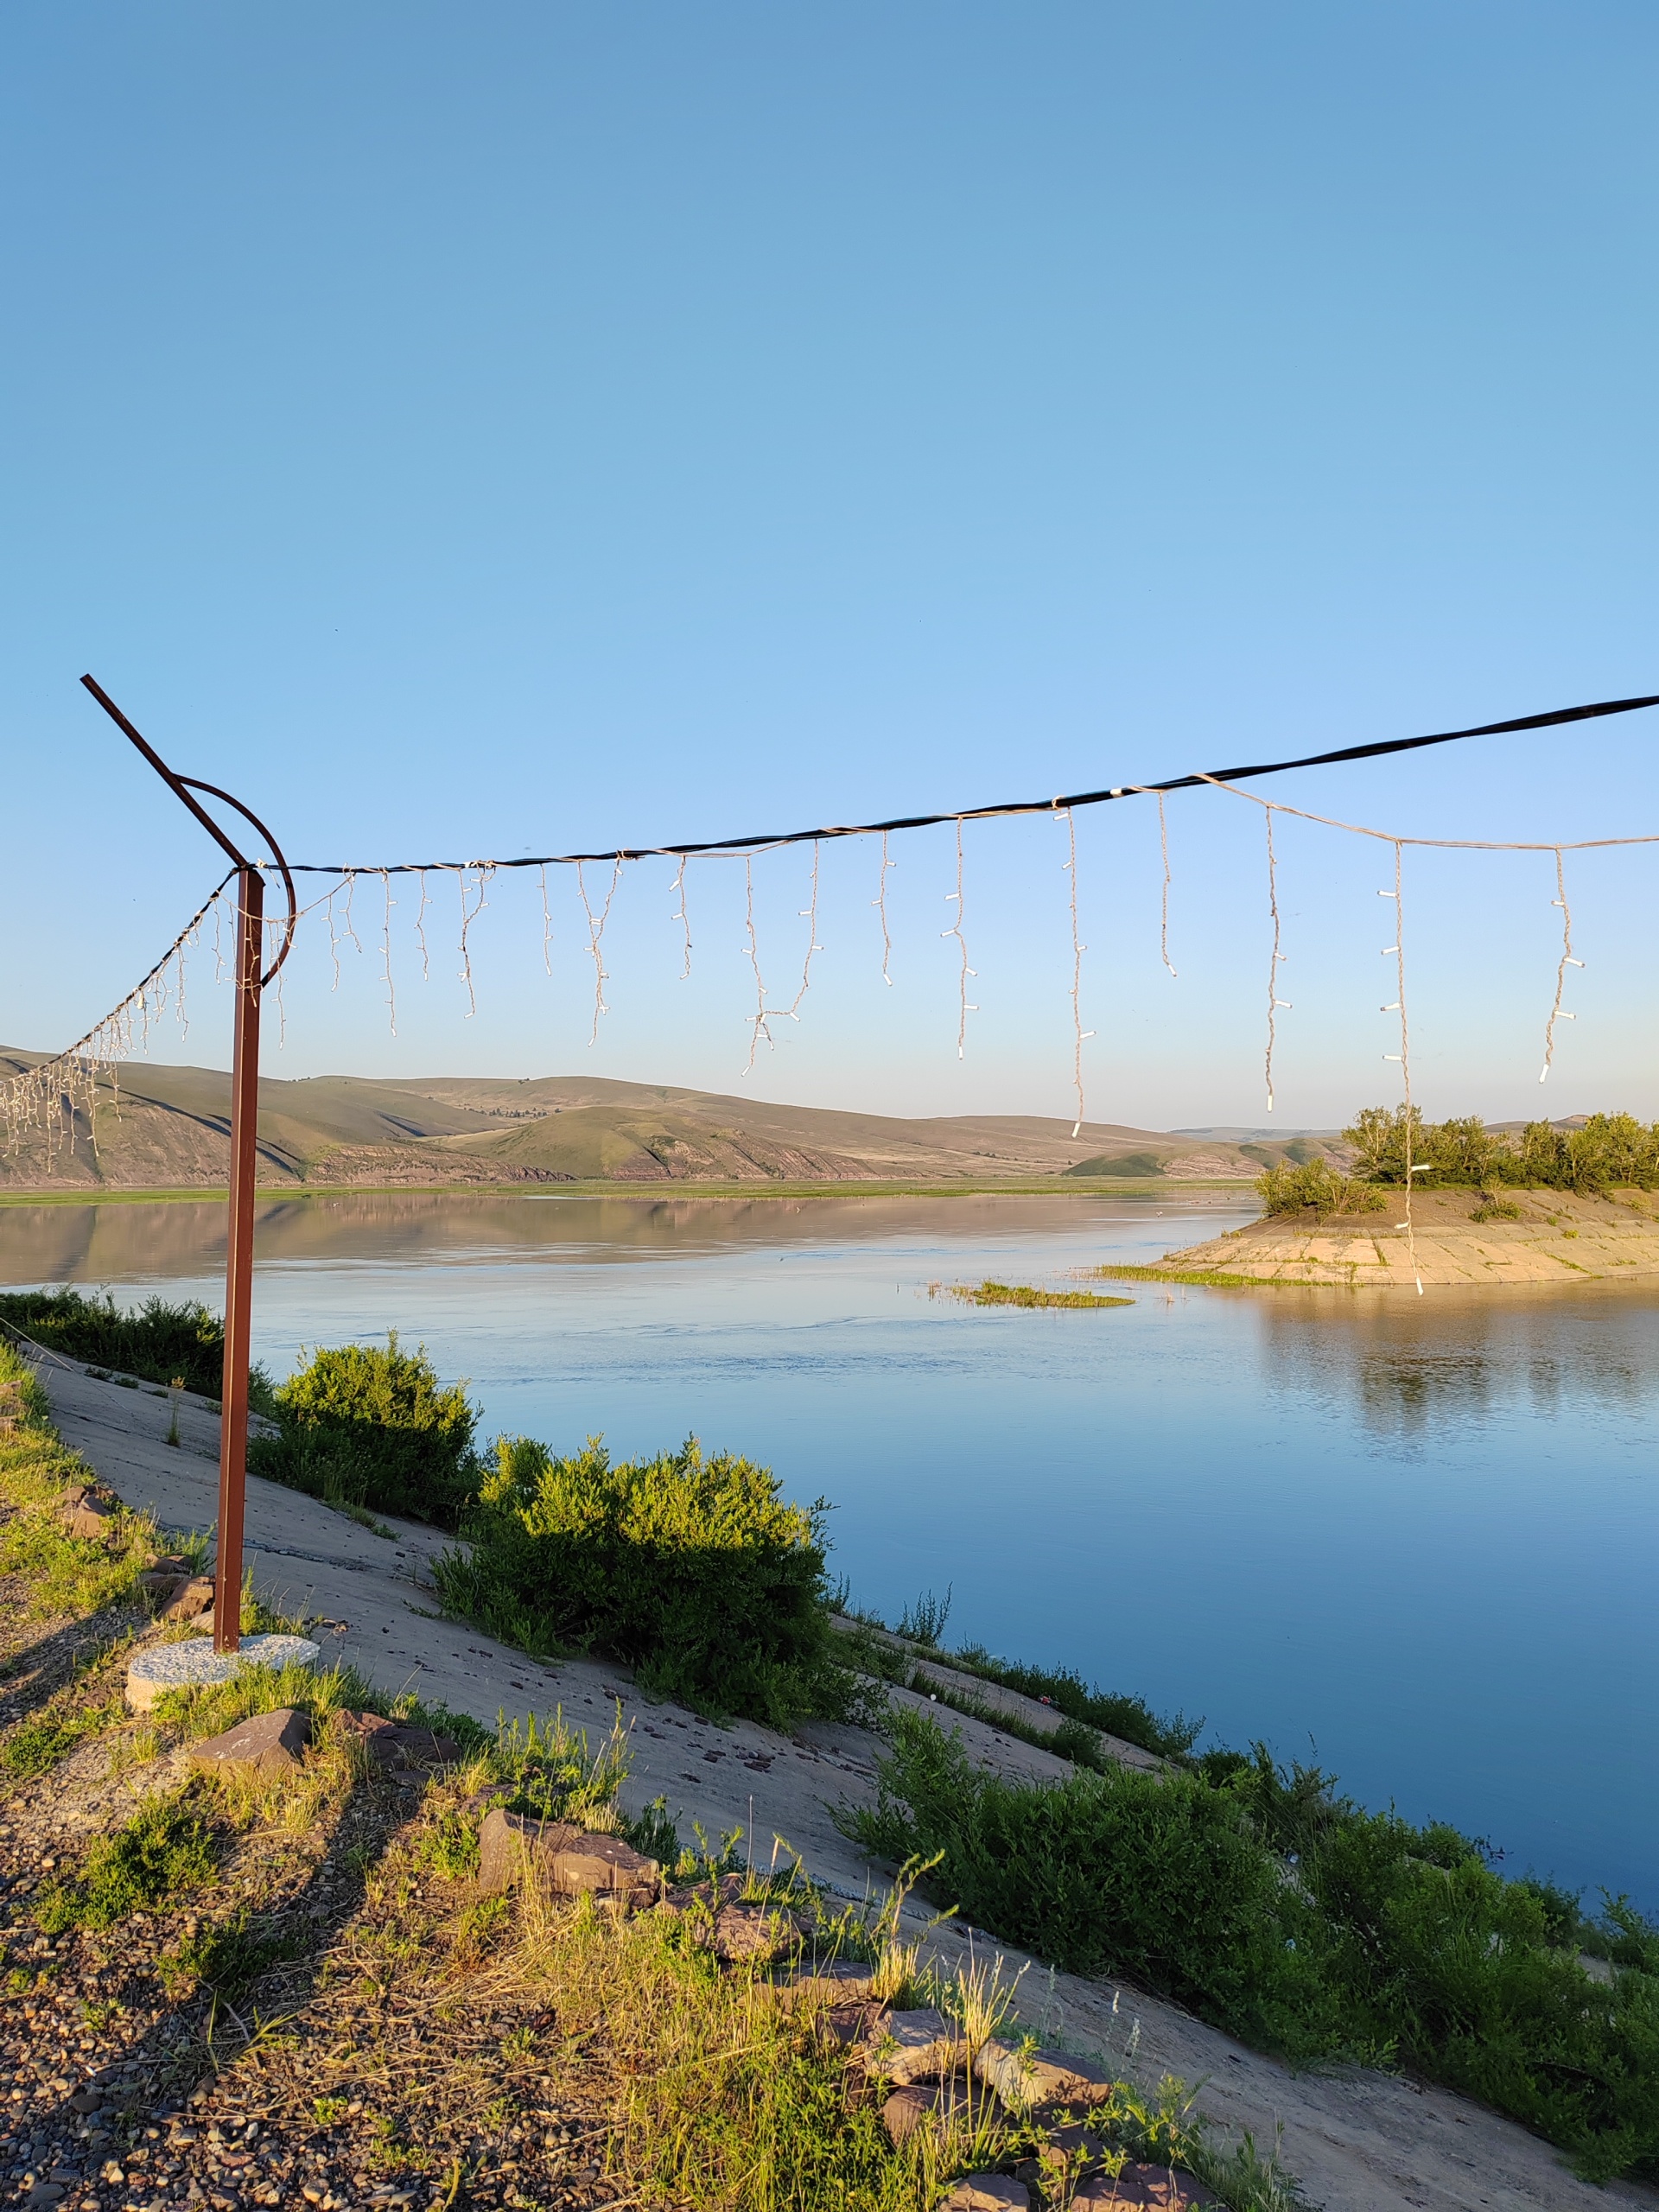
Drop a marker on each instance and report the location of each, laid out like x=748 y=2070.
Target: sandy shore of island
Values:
x=1559 y=1241
x=1357 y=2142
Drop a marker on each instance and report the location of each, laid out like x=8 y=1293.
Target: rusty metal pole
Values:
x=245 y=1130
x=238 y=1260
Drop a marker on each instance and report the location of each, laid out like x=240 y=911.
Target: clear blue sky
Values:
x=463 y=431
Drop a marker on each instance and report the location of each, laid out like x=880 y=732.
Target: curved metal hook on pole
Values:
x=181 y=787
x=250 y=980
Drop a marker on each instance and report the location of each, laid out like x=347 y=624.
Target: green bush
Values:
x=157 y=1341
x=693 y=1570
x=1117 y=1872
x=1610 y=1152
x=1287 y=1188
x=373 y=1427
x=1301 y=1922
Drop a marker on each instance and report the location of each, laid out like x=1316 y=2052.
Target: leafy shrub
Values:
x=449 y=1847
x=157 y=1341
x=1117 y=1872
x=1295 y=1919
x=691 y=1570
x=1287 y=1188
x=923 y=1622
x=373 y=1427
x=1611 y=1150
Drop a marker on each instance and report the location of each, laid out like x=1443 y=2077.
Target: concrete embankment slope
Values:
x=1557 y=1240
x=1359 y=2143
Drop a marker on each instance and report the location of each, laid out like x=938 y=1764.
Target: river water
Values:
x=1414 y=1540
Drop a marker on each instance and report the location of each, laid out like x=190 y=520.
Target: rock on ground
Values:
x=269 y=1743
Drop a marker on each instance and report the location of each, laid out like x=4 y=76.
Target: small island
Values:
x=1548 y=1203
x=1553 y=1239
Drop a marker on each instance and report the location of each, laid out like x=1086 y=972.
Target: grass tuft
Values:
x=59 y=1573
x=165 y=1849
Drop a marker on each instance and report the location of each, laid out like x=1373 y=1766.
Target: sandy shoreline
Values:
x=1559 y=1240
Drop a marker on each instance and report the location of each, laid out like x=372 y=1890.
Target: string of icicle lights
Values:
x=58 y=1088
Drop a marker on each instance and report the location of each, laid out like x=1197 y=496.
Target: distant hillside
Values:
x=167 y=1127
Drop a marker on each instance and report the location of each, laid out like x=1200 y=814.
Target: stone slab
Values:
x=266 y=1744
x=565 y=1859
x=912 y=2106
x=916 y=2045
x=751 y=1932
x=195 y=1665
x=837 y=1982
x=398 y=1745
x=987 y=2193
x=89 y=1517
x=1167 y=2189
x=193 y=1598
x=1031 y=2080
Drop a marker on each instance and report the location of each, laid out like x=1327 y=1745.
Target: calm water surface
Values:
x=1414 y=1539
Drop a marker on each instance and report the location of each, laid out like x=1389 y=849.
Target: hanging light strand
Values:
x=880 y=902
x=1403 y=1055
x=468 y=915
x=810 y=915
x=420 y=931
x=595 y=942
x=1163 y=840
x=49 y=1096
x=1275 y=1002
x=964 y=1006
x=1558 y=1012
x=680 y=916
x=1078 y=948
x=757 y=1028
x=385 y=953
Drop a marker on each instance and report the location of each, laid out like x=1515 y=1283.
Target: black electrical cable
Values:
x=985 y=813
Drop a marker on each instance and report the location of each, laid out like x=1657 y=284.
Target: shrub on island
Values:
x=1607 y=1151
x=1288 y=1187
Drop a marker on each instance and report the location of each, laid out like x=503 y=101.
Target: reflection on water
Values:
x=117 y=1242
x=1411 y=1368
x=1418 y=1537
